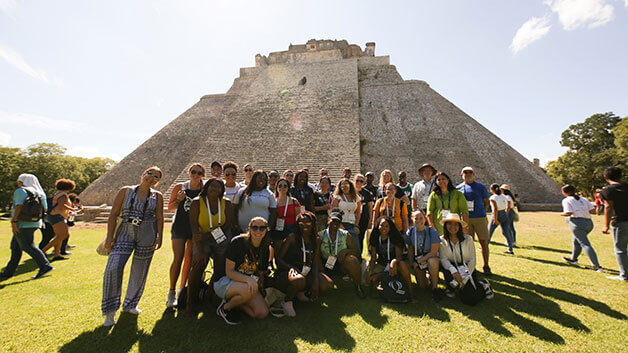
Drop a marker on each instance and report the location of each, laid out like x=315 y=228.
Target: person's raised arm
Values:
x=177 y=195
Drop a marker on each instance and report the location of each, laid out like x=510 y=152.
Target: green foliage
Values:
x=621 y=137
x=48 y=162
x=593 y=146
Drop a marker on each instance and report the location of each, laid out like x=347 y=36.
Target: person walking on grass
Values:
x=141 y=208
x=500 y=207
x=615 y=197
x=28 y=188
x=61 y=208
x=578 y=211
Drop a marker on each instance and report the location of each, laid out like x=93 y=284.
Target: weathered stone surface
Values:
x=354 y=110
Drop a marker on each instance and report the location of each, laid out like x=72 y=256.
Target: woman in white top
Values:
x=230 y=172
x=347 y=200
x=505 y=188
x=577 y=210
x=457 y=256
x=500 y=208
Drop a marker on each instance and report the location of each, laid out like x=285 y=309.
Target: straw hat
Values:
x=505 y=187
x=453 y=217
x=427 y=165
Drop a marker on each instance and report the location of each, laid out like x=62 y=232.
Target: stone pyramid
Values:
x=327 y=104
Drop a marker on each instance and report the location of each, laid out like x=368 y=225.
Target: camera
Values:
x=454 y=284
x=135 y=221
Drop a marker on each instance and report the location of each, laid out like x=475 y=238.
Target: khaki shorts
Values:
x=478 y=226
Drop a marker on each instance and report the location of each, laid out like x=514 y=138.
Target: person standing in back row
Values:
x=406 y=188
x=477 y=196
x=422 y=189
x=615 y=197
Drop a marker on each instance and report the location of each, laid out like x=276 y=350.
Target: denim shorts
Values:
x=222 y=285
x=54 y=219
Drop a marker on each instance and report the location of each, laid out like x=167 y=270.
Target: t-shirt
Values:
x=407 y=190
x=365 y=197
x=328 y=247
x=248 y=259
x=288 y=213
x=348 y=207
x=19 y=197
x=385 y=249
x=381 y=193
x=580 y=208
x=454 y=202
x=304 y=195
x=421 y=193
x=231 y=191
x=393 y=210
x=424 y=238
x=257 y=205
x=321 y=200
x=476 y=193
x=618 y=193
x=501 y=201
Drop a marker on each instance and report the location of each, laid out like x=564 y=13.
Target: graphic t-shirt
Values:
x=247 y=258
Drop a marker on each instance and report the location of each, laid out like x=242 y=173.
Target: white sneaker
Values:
x=617 y=278
x=134 y=311
x=288 y=309
x=110 y=319
x=171 y=300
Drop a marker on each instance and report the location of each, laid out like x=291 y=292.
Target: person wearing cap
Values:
x=445 y=199
x=477 y=196
x=505 y=188
x=216 y=169
x=339 y=252
x=422 y=189
x=457 y=256
x=370 y=179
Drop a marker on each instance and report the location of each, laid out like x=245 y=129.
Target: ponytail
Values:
x=571 y=191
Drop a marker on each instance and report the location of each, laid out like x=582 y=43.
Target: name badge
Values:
x=256 y=278
x=218 y=235
x=305 y=270
x=470 y=205
x=423 y=265
x=302 y=208
x=331 y=261
x=279 y=224
x=445 y=213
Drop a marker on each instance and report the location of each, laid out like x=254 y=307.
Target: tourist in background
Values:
x=347 y=200
x=366 y=201
x=322 y=202
x=216 y=169
x=445 y=199
x=141 y=207
x=24 y=230
x=346 y=173
x=302 y=191
x=615 y=196
x=599 y=204
x=241 y=283
x=248 y=174
x=457 y=256
x=230 y=170
x=321 y=174
x=255 y=201
x=406 y=188
x=512 y=213
x=288 y=174
x=578 y=211
x=423 y=244
x=370 y=180
x=288 y=208
x=57 y=216
x=500 y=207
x=476 y=196
x=392 y=207
x=423 y=188
x=180 y=201
x=212 y=220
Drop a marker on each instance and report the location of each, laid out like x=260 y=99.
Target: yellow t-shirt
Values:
x=203 y=216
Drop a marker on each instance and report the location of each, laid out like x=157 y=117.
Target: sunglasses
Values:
x=153 y=175
x=359 y=181
x=467 y=172
x=230 y=174
x=282 y=186
x=306 y=222
x=197 y=172
x=258 y=228
x=289 y=175
x=248 y=169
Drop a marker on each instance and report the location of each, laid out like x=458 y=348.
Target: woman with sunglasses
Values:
x=230 y=170
x=288 y=209
x=212 y=221
x=443 y=200
x=366 y=200
x=298 y=261
x=255 y=201
x=141 y=208
x=347 y=200
x=180 y=201
x=241 y=283
x=248 y=174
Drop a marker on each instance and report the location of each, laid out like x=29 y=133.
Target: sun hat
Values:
x=466 y=169
x=453 y=217
x=505 y=187
x=427 y=165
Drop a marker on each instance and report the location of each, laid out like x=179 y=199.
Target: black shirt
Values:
x=248 y=259
x=321 y=199
x=385 y=252
x=618 y=193
x=365 y=197
x=304 y=196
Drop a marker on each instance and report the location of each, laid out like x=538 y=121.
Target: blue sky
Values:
x=102 y=77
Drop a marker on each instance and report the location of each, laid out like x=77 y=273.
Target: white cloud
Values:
x=5 y=139
x=41 y=122
x=8 y=7
x=91 y=152
x=576 y=13
x=16 y=60
x=531 y=31
x=626 y=3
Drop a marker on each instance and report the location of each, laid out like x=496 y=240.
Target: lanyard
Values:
x=427 y=233
x=329 y=237
x=209 y=210
x=394 y=204
x=285 y=210
x=454 y=253
x=448 y=202
x=133 y=202
x=387 y=247
x=303 y=247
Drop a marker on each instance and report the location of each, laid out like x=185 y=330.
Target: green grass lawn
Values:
x=540 y=304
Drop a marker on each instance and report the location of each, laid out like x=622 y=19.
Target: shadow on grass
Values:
x=104 y=339
x=543 y=248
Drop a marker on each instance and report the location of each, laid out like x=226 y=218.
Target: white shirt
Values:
x=449 y=258
x=230 y=191
x=501 y=201
x=510 y=201
x=421 y=191
x=580 y=208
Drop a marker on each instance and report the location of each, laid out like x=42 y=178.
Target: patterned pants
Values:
x=141 y=240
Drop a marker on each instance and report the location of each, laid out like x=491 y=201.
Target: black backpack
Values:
x=394 y=288
x=32 y=208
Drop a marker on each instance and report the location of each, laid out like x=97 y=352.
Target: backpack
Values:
x=394 y=288
x=32 y=208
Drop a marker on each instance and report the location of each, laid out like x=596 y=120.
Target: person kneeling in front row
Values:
x=457 y=255
x=423 y=244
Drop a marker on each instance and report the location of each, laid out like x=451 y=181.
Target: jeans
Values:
x=23 y=241
x=504 y=222
x=620 y=237
x=581 y=227
x=513 y=231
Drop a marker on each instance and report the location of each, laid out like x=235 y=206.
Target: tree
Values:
x=621 y=137
x=592 y=148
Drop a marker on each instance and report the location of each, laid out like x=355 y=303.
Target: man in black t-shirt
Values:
x=615 y=197
x=366 y=199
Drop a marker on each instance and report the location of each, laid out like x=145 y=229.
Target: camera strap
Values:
x=133 y=202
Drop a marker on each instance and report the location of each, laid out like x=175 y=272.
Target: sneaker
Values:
x=69 y=247
x=57 y=258
x=487 y=270
x=288 y=308
x=134 y=311
x=228 y=315
x=4 y=276
x=437 y=294
x=171 y=299
x=598 y=269
x=277 y=311
x=509 y=252
x=488 y=292
x=43 y=272
x=450 y=293
x=110 y=319
x=617 y=278
x=570 y=261
x=66 y=253
x=359 y=292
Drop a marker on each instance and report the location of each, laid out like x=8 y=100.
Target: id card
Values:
x=218 y=235
x=305 y=270
x=422 y=265
x=445 y=213
x=302 y=208
x=331 y=262
x=470 y=205
x=279 y=224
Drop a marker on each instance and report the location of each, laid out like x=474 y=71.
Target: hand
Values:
x=157 y=244
x=180 y=195
x=457 y=277
x=356 y=229
x=496 y=222
x=108 y=243
x=605 y=229
x=393 y=268
x=252 y=284
x=15 y=228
